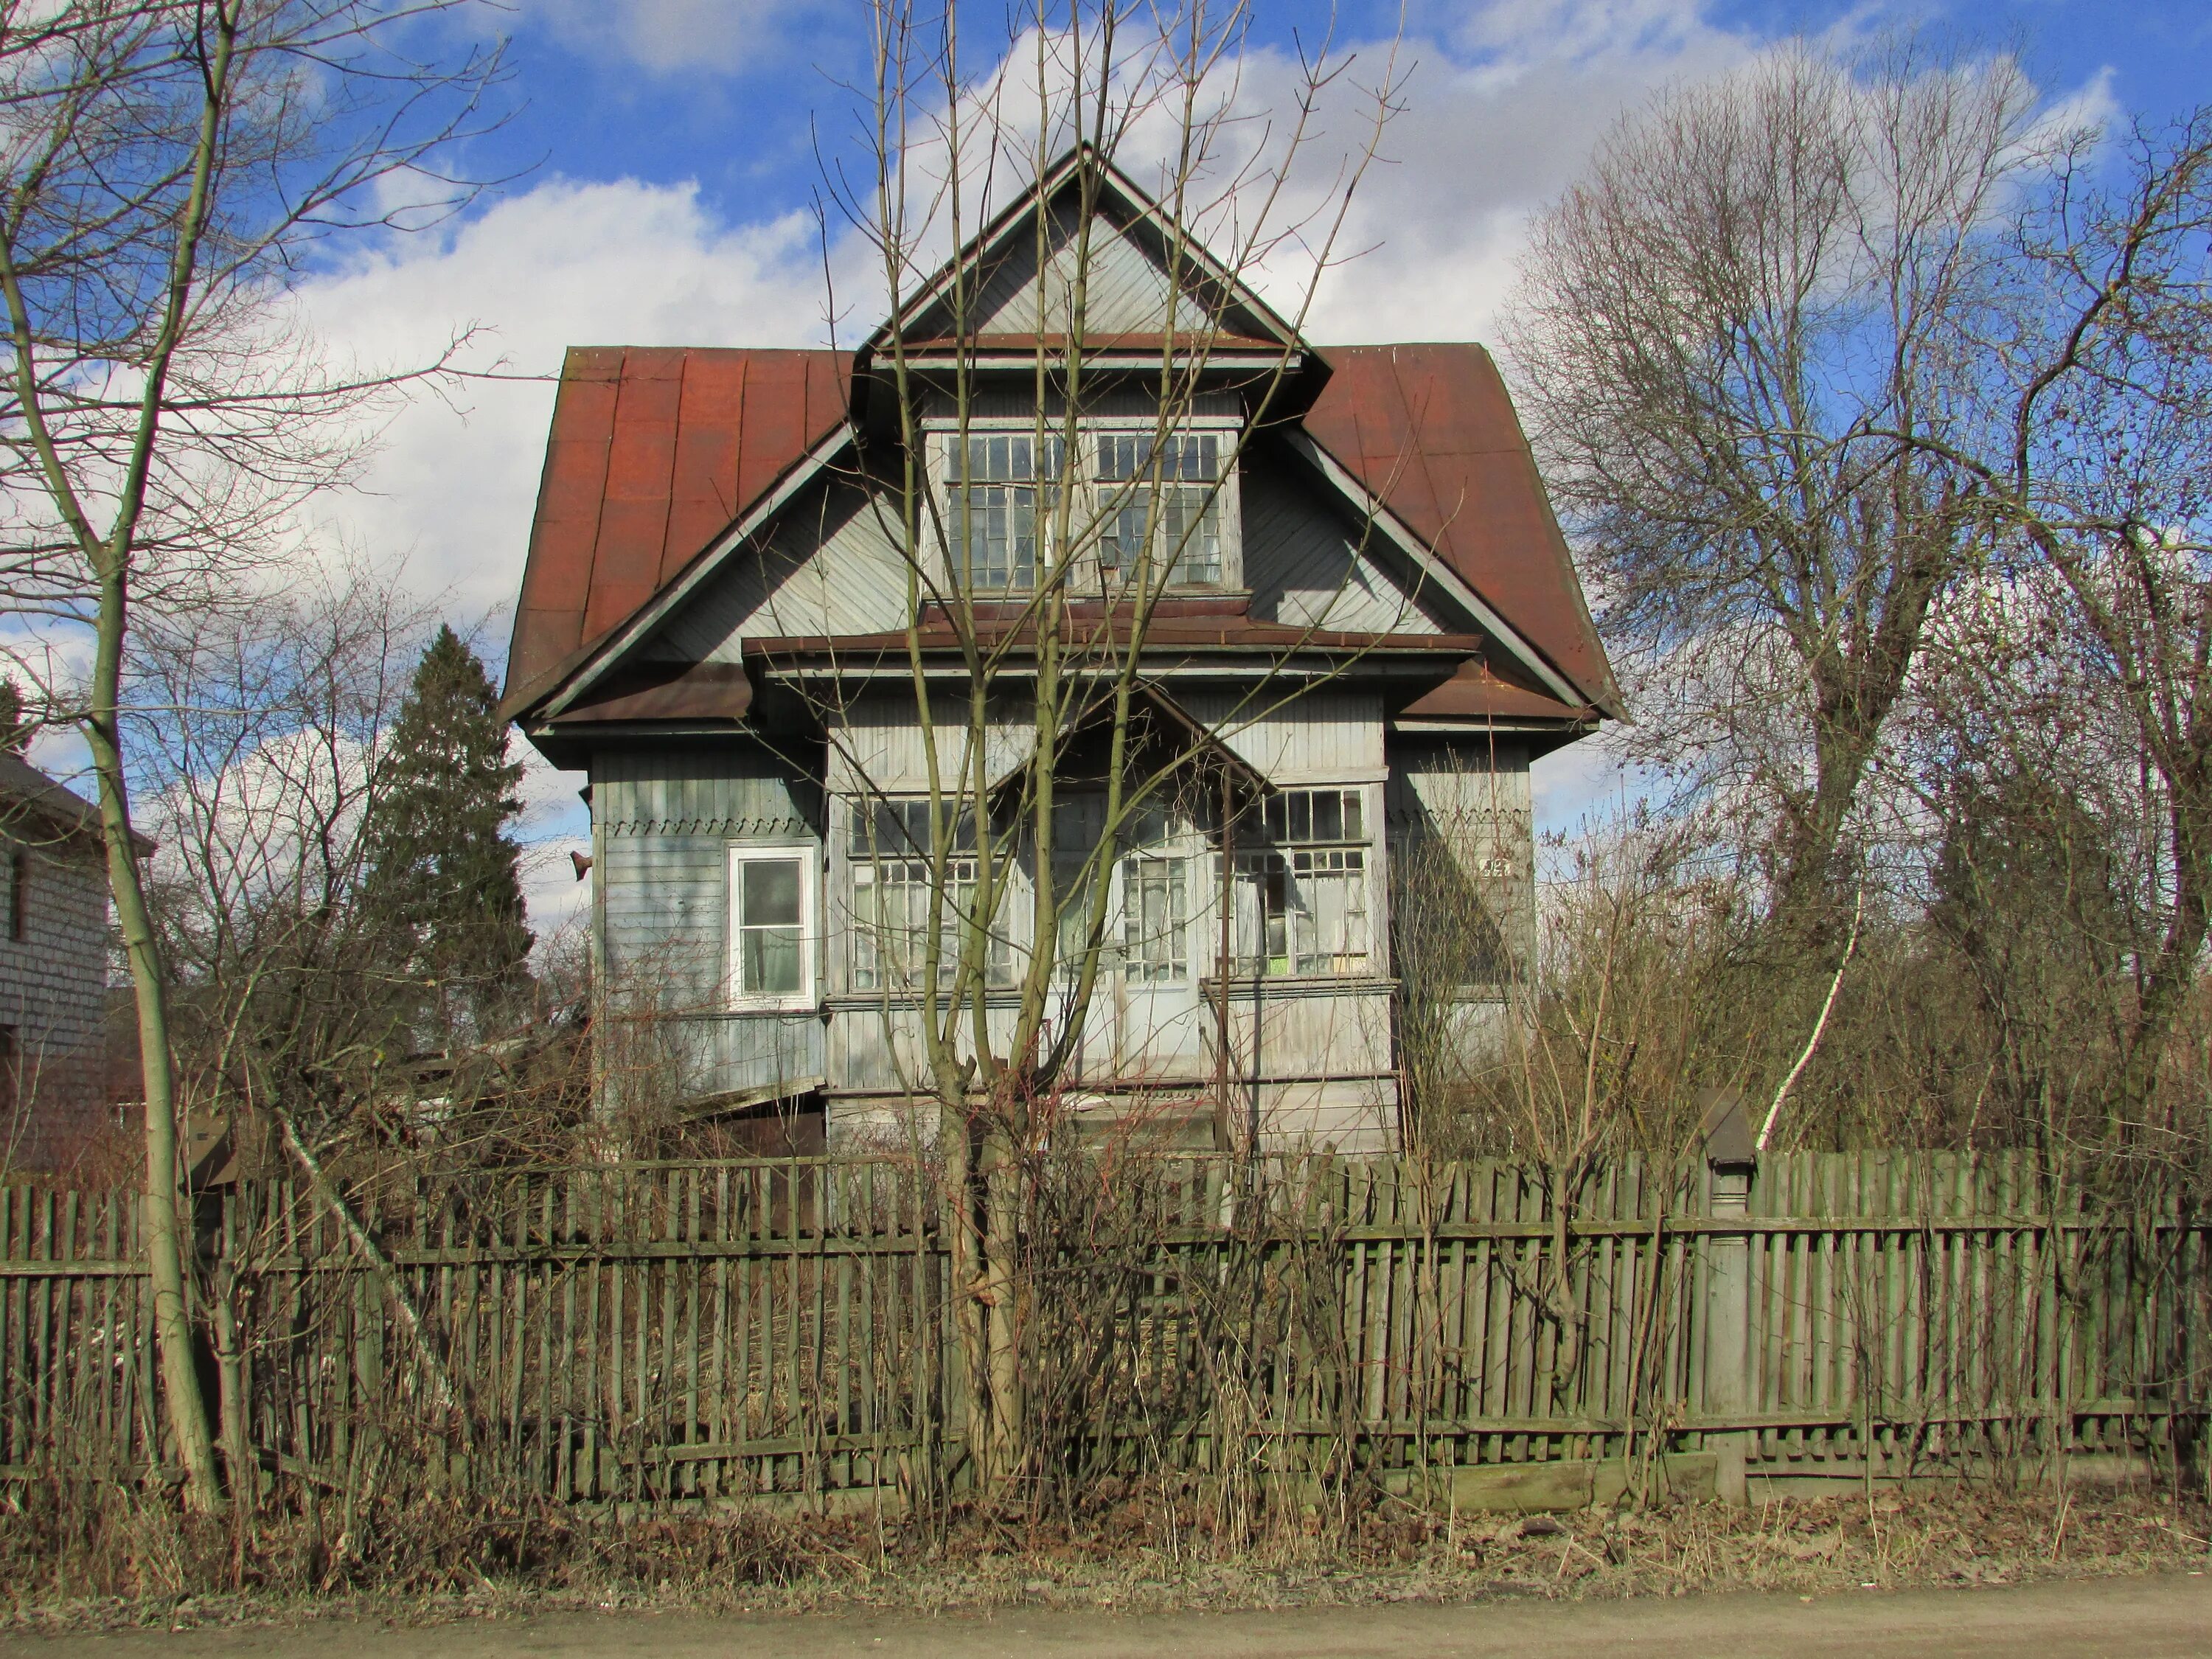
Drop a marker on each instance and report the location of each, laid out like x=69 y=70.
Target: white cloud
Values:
x=565 y=264
x=554 y=823
x=666 y=36
x=1489 y=136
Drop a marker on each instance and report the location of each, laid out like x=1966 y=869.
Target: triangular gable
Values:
x=1134 y=241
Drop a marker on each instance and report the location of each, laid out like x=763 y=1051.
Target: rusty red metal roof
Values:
x=1474 y=693
x=654 y=452
x=1429 y=430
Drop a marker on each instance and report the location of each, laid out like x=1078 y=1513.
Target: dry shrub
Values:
x=84 y=1554
x=1981 y=1002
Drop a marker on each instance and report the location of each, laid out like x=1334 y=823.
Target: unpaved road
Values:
x=2140 y=1617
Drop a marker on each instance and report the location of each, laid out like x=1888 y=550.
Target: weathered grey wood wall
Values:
x=660 y=1333
x=663 y=821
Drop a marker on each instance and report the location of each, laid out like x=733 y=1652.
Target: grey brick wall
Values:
x=52 y=984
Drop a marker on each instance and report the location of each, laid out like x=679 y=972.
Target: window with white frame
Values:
x=888 y=853
x=1155 y=919
x=1300 y=901
x=1163 y=492
x=772 y=927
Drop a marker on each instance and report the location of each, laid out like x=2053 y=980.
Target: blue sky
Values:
x=665 y=152
x=730 y=93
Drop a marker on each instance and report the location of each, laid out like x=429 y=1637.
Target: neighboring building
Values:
x=713 y=623
x=53 y=969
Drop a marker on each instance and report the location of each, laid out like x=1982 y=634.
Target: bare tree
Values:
x=2087 y=660
x=167 y=165
x=1734 y=332
x=258 y=789
x=1050 y=754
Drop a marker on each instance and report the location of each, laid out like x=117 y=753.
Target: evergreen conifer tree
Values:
x=441 y=882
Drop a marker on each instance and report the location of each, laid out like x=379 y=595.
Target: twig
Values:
x=441 y=1386
x=1819 y=1025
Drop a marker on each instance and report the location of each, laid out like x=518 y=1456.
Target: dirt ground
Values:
x=2142 y=1618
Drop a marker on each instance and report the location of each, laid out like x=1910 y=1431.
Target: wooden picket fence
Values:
x=653 y=1333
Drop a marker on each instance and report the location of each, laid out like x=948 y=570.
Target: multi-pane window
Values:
x=1300 y=903
x=1166 y=488
x=999 y=510
x=1145 y=490
x=1155 y=918
x=771 y=927
x=893 y=873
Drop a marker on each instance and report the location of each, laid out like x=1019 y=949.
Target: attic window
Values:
x=998 y=518
x=1168 y=490
x=1125 y=493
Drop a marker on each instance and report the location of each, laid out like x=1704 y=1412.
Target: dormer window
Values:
x=1168 y=488
x=998 y=511
x=1128 y=488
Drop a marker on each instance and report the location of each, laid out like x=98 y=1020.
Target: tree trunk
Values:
x=165 y=1242
x=1001 y=1282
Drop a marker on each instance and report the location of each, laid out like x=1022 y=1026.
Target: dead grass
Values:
x=123 y=1562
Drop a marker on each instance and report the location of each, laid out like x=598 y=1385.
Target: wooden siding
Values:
x=663 y=817
x=1472 y=794
x=998 y=402
x=53 y=987
x=1310 y=566
x=1319 y=737
x=878 y=747
x=832 y=566
x=1125 y=292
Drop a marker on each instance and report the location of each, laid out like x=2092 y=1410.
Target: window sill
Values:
x=997 y=996
x=1299 y=985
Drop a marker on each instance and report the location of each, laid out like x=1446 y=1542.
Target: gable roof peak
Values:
x=1000 y=257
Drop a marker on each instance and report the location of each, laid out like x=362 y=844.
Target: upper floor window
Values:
x=998 y=510
x=1167 y=491
x=1121 y=495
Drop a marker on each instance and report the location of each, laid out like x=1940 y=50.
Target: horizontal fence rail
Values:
x=652 y=1332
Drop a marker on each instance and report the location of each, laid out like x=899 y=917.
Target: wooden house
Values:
x=1367 y=612
x=53 y=969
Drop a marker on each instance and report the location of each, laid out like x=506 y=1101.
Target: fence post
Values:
x=1733 y=1162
